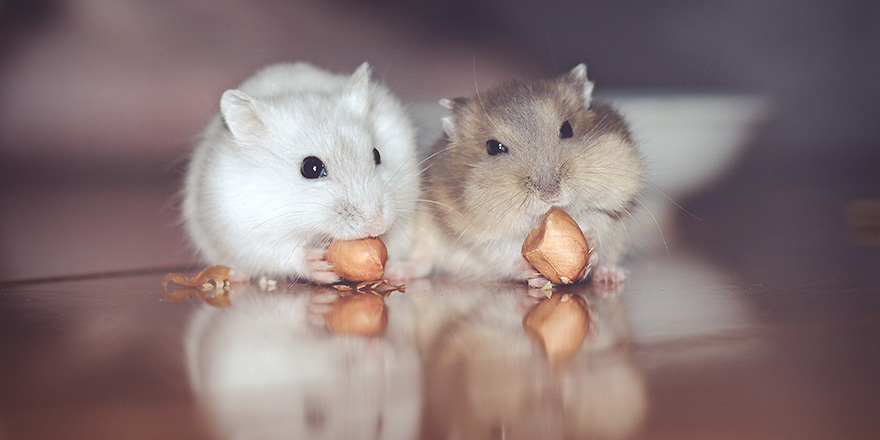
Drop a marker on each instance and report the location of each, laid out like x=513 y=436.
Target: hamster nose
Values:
x=547 y=187
x=348 y=211
x=363 y=220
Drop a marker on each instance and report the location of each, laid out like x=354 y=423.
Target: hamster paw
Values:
x=525 y=272
x=320 y=271
x=398 y=271
x=592 y=243
x=538 y=282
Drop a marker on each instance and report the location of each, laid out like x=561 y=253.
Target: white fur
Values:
x=246 y=203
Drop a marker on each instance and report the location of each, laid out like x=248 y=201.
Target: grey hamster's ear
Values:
x=240 y=114
x=448 y=126
x=578 y=78
x=455 y=107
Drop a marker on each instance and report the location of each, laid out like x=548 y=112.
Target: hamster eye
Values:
x=494 y=147
x=313 y=168
x=376 y=157
x=565 y=131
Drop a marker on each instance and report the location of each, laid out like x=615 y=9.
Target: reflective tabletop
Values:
x=755 y=315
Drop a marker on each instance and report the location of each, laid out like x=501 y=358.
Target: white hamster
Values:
x=298 y=157
x=510 y=154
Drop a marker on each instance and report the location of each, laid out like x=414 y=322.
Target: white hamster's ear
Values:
x=578 y=77
x=361 y=75
x=359 y=88
x=455 y=107
x=240 y=114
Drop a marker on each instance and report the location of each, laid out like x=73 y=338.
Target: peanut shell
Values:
x=557 y=248
x=358 y=260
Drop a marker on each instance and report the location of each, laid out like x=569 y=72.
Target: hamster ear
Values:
x=240 y=114
x=455 y=107
x=359 y=88
x=448 y=126
x=361 y=75
x=578 y=78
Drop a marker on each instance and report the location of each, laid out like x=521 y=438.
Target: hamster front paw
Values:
x=526 y=272
x=400 y=271
x=320 y=271
x=592 y=245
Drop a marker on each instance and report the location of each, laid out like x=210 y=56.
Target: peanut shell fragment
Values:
x=211 y=285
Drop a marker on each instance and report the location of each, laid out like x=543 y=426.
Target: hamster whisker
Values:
x=451 y=248
x=442 y=150
x=598 y=125
x=671 y=200
x=480 y=99
x=488 y=245
x=396 y=176
x=275 y=216
x=272 y=244
x=623 y=224
x=291 y=254
x=442 y=205
x=446 y=150
x=657 y=224
x=636 y=221
x=260 y=222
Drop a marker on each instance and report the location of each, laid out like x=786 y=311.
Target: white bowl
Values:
x=690 y=139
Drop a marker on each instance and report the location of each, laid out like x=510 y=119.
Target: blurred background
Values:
x=101 y=102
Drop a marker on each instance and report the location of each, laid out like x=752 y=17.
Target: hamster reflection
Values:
x=261 y=370
x=492 y=361
x=485 y=378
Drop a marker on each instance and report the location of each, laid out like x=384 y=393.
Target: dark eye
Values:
x=494 y=147
x=565 y=131
x=376 y=157
x=313 y=168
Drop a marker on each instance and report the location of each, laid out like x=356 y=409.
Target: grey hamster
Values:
x=511 y=153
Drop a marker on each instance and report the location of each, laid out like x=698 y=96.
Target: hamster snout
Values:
x=547 y=186
x=365 y=219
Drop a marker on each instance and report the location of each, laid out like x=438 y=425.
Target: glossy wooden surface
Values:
x=760 y=320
